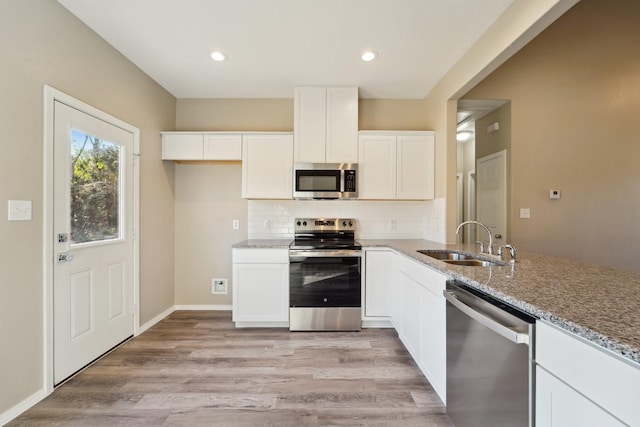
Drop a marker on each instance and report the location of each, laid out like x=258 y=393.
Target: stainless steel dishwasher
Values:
x=490 y=360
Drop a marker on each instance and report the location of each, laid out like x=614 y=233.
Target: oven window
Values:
x=325 y=282
x=317 y=180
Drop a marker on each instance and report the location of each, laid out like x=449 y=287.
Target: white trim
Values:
x=22 y=406
x=377 y=323
x=203 y=307
x=155 y=320
x=50 y=96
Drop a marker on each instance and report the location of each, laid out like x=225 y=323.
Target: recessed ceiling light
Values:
x=369 y=56
x=218 y=56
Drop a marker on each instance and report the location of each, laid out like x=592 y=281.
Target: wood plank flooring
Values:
x=195 y=369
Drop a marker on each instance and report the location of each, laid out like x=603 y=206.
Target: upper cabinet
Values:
x=326 y=124
x=201 y=146
x=267 y=166
x=396 y=165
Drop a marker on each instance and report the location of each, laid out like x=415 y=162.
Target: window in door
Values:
x=95 y=189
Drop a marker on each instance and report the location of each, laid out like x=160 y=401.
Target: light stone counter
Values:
x=262 y=244
x=601 y=304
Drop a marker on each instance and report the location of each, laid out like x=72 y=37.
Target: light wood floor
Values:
x=196 y=369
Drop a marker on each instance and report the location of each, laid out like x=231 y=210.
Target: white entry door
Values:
x=93 y=211
x=491 y=195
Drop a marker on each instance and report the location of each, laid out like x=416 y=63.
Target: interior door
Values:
x=93 y=277
x=491 y=195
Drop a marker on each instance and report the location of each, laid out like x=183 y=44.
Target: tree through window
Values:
x=95 y=185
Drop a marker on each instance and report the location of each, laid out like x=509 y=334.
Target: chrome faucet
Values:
x=512 y=252
x=490 y=248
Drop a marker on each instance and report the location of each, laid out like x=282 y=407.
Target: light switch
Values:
x=525 y=213
x=19 y=210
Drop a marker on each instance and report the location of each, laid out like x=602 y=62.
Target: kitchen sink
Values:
x=474 y=262
x=459 y=258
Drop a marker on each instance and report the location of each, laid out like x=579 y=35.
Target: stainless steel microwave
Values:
x=325 y=181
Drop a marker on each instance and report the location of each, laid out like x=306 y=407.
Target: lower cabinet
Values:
x=261 y=287
x=559 y=405
x=579 y=384
x=377 y=283
x=419 y=315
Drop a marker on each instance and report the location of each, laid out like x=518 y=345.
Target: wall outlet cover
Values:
x=219 y=286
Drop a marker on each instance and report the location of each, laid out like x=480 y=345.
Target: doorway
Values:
x=91 y=253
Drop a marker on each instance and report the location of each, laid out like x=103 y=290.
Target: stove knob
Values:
x=325 y=300
x=344 y=223
x=298 y=223
x=350 y=224
x=304 y=223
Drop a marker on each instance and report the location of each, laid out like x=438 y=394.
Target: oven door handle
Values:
x=338 y=253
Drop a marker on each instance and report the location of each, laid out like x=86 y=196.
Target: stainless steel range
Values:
x=324 y=276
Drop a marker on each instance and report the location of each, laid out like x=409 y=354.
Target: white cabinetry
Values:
x=419 y=316
x=378 y=283
x=267 y=166
x=326 y=124
x=579 y=384
x=201 y=146
x=261 y=287
x=396 y=165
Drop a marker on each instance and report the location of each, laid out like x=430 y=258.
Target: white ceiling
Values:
x=275 y=45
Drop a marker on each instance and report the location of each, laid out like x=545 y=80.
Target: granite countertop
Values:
x=600 y=304
x=263 y=244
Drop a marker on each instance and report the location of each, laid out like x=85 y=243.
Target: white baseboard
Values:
x=18 y=409
x=201 y=307
x=156 y=319
x=377 y=323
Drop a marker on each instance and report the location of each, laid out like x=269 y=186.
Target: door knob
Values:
x=65 y=257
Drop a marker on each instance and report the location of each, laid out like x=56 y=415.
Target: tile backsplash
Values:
x=273 y=219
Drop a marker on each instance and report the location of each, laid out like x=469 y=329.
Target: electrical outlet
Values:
x=219 y=286
x=236 y=224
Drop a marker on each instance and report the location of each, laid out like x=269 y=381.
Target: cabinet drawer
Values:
x=260 y=256
x=601 y=376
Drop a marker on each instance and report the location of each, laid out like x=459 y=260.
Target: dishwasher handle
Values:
x=491 y=323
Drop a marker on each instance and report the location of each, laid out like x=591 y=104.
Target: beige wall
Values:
x=41 y=43
x=392 y=114
x=574 y=93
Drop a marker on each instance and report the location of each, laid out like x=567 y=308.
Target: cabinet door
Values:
x=378 y=283
x=433 y=341
x=310 y=124
x=558 y=405
x=222 y=147
x=410 y=336
x=261 y=292
x=415 y=173
x=377 y=167
x=182 y=146
x=342 y=125
x=267 y=167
